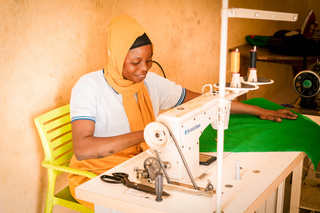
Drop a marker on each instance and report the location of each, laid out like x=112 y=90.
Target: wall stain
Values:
x=19 y=2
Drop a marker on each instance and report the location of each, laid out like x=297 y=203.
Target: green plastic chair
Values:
x=54 y=128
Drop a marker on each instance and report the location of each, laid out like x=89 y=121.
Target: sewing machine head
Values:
x=180 y=128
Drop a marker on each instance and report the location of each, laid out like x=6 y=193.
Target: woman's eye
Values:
x=135 y=63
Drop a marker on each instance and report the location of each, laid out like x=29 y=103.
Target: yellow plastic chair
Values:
x=54 y=128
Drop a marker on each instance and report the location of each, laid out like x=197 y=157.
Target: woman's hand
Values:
x=277 y=115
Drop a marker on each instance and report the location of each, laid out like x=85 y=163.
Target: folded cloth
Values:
x=247 y=133
x=258 y=40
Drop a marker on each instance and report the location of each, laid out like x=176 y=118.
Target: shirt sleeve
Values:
x=83 y=100
x=182 y=97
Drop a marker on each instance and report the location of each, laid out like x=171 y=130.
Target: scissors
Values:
x=121 y=177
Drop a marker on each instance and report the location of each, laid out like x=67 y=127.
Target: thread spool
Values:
x=252 y=66
x=253 y=58
x=235 y=61
x=235 y=68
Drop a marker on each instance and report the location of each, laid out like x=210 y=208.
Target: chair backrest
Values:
x=54 y=128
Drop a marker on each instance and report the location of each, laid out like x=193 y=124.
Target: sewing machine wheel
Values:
x=307 y=83
x=152 y=162
x=153 y=166
x=157 y=136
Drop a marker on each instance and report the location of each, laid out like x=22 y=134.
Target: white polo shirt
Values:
x=94 y=99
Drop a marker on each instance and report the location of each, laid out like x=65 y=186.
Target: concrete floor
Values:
x=310 y=189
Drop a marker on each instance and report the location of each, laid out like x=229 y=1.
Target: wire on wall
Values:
x=164 y=75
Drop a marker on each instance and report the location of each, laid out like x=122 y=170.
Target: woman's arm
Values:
x=241 y=108
x=86 y=146
x=265 y=114
x=190 y=95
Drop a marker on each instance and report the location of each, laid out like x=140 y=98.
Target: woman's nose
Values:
x=144 y=67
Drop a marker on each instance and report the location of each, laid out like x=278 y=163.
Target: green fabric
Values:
x=247 y=133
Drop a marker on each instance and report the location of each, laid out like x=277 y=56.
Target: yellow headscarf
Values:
x=123 y=31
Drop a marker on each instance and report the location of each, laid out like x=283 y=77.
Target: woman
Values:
x=110 y=108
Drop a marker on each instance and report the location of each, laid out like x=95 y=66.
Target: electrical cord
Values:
x=164 y=75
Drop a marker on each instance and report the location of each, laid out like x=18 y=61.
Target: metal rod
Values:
x=222 y=102
x=162 y=167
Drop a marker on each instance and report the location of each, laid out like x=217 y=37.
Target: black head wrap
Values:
x=141 y=41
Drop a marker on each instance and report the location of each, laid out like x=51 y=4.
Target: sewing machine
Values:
x=174 y=137
x=175 y=134
x=185 y=124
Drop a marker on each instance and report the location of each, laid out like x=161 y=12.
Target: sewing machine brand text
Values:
x=191 y=129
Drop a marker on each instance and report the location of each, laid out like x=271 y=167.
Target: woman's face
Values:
x=137 y=63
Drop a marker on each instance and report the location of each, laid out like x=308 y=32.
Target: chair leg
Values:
x=52 y=175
